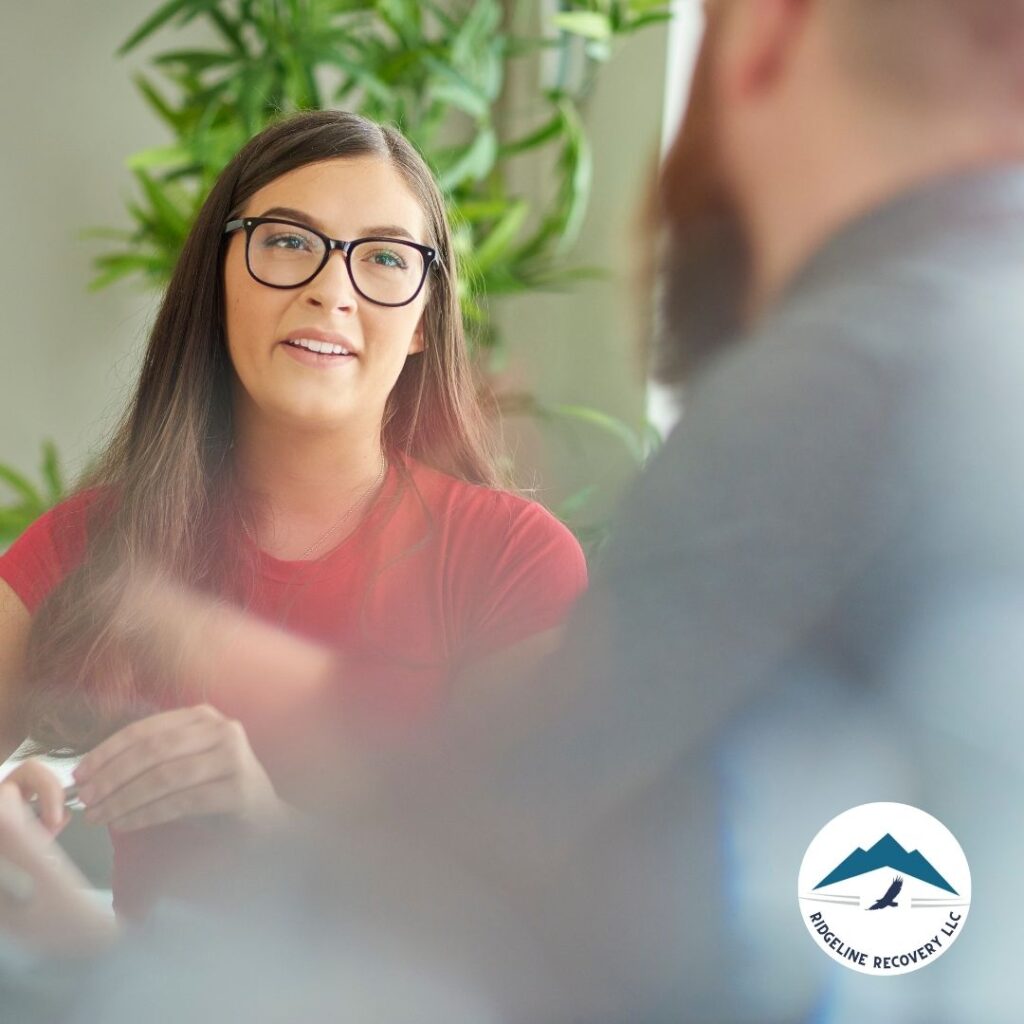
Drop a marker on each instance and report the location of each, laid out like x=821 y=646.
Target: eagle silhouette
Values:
x=889 y=899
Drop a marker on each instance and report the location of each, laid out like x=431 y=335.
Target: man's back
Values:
x=818 y=601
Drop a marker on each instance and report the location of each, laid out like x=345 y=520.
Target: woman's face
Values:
x=279 y=383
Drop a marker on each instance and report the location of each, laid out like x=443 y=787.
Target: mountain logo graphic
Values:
x=886 y=853
x=884 y=888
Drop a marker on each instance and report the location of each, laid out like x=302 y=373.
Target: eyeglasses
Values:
x=286 y=254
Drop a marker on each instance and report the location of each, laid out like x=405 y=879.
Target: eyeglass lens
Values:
x=285 y=255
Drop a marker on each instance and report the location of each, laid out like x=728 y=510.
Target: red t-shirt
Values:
x=438 y=574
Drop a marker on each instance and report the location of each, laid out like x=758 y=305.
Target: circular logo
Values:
x=884 y=889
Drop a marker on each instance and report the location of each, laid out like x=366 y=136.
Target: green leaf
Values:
x=364 y=78
x=606 y=423
x=52 y=476
x=157 y=102
x=158 y=156
x=500 y=280
x=14 y=521
x=159 y=17
x=545 y=133
x=518 y=46
x=589 y=24
x=648 y=19
x=479 y=28
x=109 y=277
x=229 y=30
x=21 y=484
x=402 y=17
x=301 y=87
x=646 y=6
x=253 y=92
x=475 y=210
x=451 y=87
x=448 y=23
x=502 y=235
x=651 y=438
x=114 y=266
x=171 y=220
x=475 y=161
x=560 y=228
x=195 y=60
x=575 y=503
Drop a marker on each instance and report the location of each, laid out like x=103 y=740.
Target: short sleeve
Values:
x=47 y=551
x=523 y=572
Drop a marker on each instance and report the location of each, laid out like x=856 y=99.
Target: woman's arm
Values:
x=15 y=623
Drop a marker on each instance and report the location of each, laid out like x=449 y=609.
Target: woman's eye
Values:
x=286 y=242
x=387 y=258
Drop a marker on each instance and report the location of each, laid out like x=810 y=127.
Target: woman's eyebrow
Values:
x=391 y=230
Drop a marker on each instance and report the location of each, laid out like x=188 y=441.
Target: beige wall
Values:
x=69 y=117
x=580 y=347
x=67 y=357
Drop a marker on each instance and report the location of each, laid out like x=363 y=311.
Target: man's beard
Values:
x=703 y=276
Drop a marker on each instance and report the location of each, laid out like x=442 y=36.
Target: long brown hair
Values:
x=161 y=487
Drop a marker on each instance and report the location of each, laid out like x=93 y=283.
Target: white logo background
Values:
x=894 y=939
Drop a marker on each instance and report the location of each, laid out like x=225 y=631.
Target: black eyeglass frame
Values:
x=330 y=244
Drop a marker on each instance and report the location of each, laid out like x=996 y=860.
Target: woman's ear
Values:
x=417 y=344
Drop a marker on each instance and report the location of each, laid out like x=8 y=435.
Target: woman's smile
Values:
x=323 y=356
x=320 y=349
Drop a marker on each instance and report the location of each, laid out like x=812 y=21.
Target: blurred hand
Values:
x=35 y=781
x=177 y=764
x=44 y=899
x=207 y=647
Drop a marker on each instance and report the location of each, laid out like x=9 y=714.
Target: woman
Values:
x=305 y=442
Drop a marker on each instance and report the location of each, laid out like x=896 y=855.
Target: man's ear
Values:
x=762 y=41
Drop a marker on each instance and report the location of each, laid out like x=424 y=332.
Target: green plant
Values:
x=569 y=420
x=436 y=68
x=29 y=501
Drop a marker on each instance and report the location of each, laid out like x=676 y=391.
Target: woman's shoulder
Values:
x=53 y=545
x=481 y=503
x=76 y=515
x=512 y=569
x=491 y=518
x=69 y=517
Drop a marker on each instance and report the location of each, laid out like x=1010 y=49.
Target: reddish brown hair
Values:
x=165 y=476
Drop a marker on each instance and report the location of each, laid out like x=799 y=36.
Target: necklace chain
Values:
x=343 y=518
x=338 y=523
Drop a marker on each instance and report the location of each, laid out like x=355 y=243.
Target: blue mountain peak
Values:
x=886 y=853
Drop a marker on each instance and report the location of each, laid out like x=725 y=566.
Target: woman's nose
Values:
x=332 y=287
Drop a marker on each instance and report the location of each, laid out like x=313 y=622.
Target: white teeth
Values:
x=323 y=347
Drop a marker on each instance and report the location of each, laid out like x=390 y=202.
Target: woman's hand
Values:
x=177 y=764
x=36 y=782
x=207 y=647
x=44 y=900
